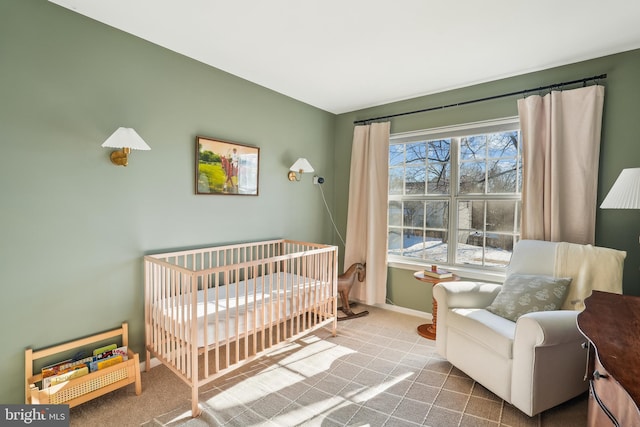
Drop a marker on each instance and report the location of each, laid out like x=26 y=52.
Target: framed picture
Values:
x=227 y=168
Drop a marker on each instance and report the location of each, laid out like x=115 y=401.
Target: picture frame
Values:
x=226 y=168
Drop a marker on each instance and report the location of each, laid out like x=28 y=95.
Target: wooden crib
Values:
x=209 y=311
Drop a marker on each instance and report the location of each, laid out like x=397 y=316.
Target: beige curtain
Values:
x=367 y=210
x=561 y=148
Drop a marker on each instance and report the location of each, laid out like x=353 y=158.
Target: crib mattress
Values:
x=238 y=309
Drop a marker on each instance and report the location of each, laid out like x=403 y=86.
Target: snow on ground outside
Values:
x=466 y=254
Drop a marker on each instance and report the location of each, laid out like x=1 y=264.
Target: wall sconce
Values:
x=625 y=193
x=125 y=139
x=298 y=168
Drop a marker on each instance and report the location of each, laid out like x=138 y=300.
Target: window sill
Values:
x=466 y=273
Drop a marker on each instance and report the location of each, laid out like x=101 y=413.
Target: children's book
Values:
x=100 y=350
x=51 y=370
x=105 y=363
x=75 y=372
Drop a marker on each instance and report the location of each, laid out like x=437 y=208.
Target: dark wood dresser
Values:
x=611 y=323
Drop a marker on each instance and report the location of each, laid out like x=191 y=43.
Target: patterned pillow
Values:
x=525 y=293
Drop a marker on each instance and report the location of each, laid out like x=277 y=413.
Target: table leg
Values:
x=428 y=330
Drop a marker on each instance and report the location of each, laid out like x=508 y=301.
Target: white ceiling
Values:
x=344 y=55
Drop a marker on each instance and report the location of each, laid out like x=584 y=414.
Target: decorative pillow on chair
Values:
x=525 y=293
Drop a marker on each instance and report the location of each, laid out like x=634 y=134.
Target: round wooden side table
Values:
x=428 y=330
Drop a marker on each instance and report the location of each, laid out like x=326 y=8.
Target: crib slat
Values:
x=226 y=323
x=205 y=315
x=240 y=314
x=216 y=329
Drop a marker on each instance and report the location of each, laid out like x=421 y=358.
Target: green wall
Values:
x=620 y=149
x=74 y=227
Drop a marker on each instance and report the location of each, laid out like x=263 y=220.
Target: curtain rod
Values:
x=489 y=98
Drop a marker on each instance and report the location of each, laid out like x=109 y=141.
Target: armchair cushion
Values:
x=526 y=293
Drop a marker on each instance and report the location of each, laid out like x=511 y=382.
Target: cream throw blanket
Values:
x=591 y=267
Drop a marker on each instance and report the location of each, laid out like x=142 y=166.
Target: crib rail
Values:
x=210 y=310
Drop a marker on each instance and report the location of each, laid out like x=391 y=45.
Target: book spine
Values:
x=105 y=363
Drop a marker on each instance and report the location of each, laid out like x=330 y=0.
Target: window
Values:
x=455 y=194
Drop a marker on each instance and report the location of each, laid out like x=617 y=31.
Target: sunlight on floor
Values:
x=290 y=367
x=370 y=392
x=299 y=363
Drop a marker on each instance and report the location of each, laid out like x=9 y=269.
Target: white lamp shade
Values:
x=301 y=165
x=625 y=193
x=126 y=138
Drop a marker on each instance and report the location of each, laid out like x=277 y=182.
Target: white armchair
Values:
x=536 y=362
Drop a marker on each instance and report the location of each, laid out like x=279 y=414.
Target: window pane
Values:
x=498 y=250
x=395 y=214
x=473 y=147
x=478 y=219
x=501 y=216
x=502 y=176
x=415 y=177
x=396 y=155
x=396 y=181
x=438 y=214
x=472 y=177
x=439 y=178
x=504 y=144
x=464 y=215
x=471 y=215
x=414 y=214
x=440 y=150
x=468 y=252
x=413 y=242
x=416 y=153
x=395 y=240
x=436 y=247
x=470 y=232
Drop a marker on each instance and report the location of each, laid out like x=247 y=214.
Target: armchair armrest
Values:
x=549 y=362
x=465 y=294
x=547 y=328
x=459 y=295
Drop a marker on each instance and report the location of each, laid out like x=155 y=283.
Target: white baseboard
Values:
x=154 y=362
x=405 y=310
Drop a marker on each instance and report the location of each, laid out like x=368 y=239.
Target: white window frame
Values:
x=458 y=131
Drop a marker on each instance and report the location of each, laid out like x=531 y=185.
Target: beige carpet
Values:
x=377 y=372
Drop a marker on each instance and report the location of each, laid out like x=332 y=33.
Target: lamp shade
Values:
x=625 y=193
x=126 y=138
x=301 y=165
